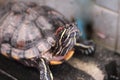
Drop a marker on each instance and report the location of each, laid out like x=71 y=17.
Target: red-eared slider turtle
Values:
x=38 y=36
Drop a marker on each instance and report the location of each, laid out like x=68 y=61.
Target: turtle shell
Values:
x=27 y=30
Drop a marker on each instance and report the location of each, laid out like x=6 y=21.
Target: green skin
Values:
x=67 y=35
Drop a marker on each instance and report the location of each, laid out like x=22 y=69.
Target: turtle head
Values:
x=66 y=39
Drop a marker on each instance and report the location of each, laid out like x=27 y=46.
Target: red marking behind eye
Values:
x=58 y=30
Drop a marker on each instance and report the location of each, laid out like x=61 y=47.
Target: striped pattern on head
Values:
x=66 y=39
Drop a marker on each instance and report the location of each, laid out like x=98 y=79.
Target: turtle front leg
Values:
x=45 y=73
x=85 y=47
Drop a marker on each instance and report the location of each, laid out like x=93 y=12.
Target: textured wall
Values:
x=67 y=7
x=70 y=8
x=107 y=27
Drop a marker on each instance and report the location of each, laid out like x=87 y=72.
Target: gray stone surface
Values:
x=118 y=46
x=69 y=8
x=110 y=4
x=40 y=2
x=105 y=26
x=118 y=38
x=106 y=19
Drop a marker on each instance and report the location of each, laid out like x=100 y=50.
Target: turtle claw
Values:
x=86 y=47
x=90 y=49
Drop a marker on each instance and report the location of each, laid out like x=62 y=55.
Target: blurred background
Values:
x=98 y=20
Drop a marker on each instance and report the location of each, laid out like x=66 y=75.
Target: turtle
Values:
x=39 y=36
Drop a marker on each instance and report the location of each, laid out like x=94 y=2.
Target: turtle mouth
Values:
x=56 y=60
